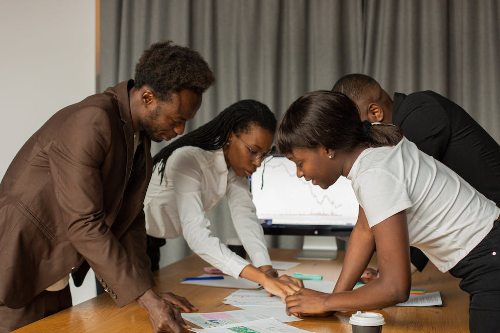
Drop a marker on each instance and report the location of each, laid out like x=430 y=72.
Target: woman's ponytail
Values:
x=330 y=119
x=380 y=135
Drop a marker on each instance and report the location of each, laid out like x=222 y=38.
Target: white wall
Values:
x=47 y=61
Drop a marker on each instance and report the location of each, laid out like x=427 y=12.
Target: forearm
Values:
x=393 y=285
x=211 y=249
x=246 y=224
x=254 y=274
x=268 y=269
x=145 y=299
x=375 y=295
x=115 y=256
x=359 y=252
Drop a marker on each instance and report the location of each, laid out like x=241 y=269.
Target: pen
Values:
x=301 y=276
x=203 y=278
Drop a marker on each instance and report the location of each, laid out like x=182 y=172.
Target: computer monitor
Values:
x=287 y=205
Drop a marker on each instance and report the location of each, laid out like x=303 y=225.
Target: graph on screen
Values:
x=286 y=199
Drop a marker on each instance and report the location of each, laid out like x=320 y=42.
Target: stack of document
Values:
x=264 y=314
x=268 y=325
x=217 y=319
x=253 y=298
x=424 y=299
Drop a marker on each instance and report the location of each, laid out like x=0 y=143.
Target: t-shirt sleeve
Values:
x=381 y=195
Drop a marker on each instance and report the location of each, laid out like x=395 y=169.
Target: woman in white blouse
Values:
x=195 y=172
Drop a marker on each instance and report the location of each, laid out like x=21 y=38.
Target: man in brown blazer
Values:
x=72 y=197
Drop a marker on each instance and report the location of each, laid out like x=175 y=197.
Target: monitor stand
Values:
x=319 y=248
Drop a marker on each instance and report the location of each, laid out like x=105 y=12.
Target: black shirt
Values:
x=443 y=130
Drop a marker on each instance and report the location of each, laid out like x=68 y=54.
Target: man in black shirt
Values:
x=439 y=128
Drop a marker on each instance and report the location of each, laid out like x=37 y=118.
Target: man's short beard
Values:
x=146 y=125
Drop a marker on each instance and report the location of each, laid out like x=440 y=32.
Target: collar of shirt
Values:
x=220 y=161
x=398 y=99
x=137 y=140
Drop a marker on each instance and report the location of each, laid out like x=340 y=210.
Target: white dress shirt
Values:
x=446 y=216
x=194 y=182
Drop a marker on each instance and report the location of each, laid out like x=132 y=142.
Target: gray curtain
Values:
x=276 y=50
x=451 y=47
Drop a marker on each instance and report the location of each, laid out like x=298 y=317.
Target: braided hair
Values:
x=237 y=118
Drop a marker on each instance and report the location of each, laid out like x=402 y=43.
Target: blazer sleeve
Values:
x=75 y=157
x=426 y=124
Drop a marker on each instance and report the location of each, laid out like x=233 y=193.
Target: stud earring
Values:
x=330 y=156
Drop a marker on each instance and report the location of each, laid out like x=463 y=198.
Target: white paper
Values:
x=258 y=326
x=276 y=312
x=283 y=265
x=426 y=299
x=321 y=285
x=226 y=282
x=253 y=298
x=216 y=319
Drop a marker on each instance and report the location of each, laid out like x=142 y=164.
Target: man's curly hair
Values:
x=167 y=68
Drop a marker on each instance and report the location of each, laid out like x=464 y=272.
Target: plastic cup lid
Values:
x=367 y=319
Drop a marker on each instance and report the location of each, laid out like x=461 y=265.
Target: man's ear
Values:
x=148 y=97
x=375 y=113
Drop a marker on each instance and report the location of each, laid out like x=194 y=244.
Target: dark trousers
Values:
x=480 y=274
x=43 y=305
x=153 y=251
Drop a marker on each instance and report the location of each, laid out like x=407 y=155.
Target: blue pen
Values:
x=203 y=278
x=301 y=276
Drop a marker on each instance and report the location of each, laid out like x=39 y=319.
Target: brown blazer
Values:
x=74 y=193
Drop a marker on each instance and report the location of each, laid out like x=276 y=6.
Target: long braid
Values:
x=211 y=136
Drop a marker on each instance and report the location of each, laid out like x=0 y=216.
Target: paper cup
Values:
x=366 y=322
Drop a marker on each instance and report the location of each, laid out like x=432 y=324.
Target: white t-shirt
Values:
x=446 y=216
x=194 y=182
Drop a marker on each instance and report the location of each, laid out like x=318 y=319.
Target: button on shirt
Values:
x=194 y=182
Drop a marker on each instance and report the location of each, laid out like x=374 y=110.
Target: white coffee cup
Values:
x=366 y=322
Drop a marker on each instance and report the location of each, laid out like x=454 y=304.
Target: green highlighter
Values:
x=301 y=276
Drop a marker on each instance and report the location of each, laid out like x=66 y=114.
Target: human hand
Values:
x=269 y=270
x=280 y=287
x=180 y=301
x=163 y=315
x=369 y=275
x=308 y=303
x=295 y=281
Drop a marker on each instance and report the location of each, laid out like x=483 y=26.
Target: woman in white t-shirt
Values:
x=195 y=172
x=406 y=198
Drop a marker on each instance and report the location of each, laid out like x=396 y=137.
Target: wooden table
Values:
x=100 y=314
